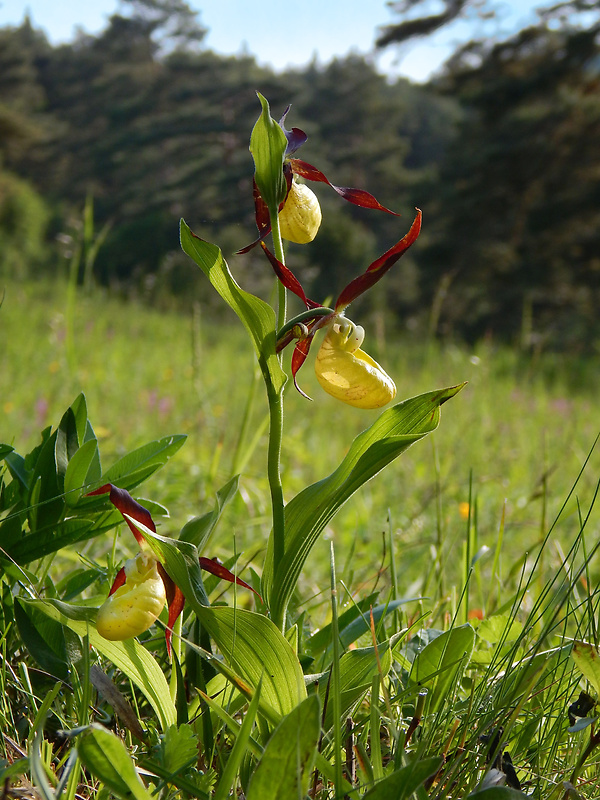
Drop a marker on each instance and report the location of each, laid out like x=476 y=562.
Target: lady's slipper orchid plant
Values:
x=342 y=368
x=142 y=586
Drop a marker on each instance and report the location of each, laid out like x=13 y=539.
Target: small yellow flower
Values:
x=136 y=604
x=349 y=374
x=300 y=217
x=463 y=510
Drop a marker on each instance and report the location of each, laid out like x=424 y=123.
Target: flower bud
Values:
x=349 y=374
x=300 y=217
x=135 y=605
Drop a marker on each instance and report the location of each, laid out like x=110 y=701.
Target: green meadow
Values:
x=486 y=529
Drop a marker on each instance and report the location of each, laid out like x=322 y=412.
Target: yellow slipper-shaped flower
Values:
x=300 y=217
x=136 y=604
x=349 y=374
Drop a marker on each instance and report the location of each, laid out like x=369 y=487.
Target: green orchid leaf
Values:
x=439 y=664
x=257 y=316
x=268 y=144
x=82 y=470
x=129 y=471
x=286 y=764
x=307 y=514
x=130 y=656
x=107 y=759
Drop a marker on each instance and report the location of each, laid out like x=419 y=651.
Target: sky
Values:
x=281 y=34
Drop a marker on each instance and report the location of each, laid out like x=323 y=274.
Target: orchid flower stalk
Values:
x=288 y=209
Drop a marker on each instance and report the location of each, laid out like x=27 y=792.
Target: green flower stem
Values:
x=278 y=250
x=276 y=428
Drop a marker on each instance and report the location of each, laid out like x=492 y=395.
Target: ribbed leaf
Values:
x=307 y=514
x=439 y=663
x=257 y=317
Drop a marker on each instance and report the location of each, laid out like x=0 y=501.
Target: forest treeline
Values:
x=501 y=152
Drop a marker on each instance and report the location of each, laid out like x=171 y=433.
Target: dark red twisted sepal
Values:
x=358 y=197
x=124 y=502
x=287 y=278
x=378 y=268
x=299 y=357
x=175 y=603
x=213 y=566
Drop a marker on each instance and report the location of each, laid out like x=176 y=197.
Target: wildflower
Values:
x=299 y=211
x=142 y=586
x=342 y=368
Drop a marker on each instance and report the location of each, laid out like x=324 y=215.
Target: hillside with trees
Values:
x=500 y=151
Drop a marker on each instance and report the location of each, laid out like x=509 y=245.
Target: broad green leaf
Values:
x=268 y=144
x=45 y=502
x=587 y=659
x=198 y=530
x=257 y=316
x=286 y=764
x=438 y=665
x=256 y=649
x=129 y=656
x=307 y=514
x=17 y=467
x=82 y=470
x=5 y=449
x=106 y=757
x=127 y=472
x=405 y=781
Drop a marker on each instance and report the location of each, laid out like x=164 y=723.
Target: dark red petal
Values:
x=299 y=357
x=356 y=196
x=287 y=277
x=379 y=267
x=212 y=565
x=175 y=603
x=124 y=502
x=118 y=582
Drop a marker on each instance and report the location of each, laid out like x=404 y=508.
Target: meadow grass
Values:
x=514 y=441
x=489 y=520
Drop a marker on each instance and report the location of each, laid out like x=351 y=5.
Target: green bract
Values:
x=268 y=145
